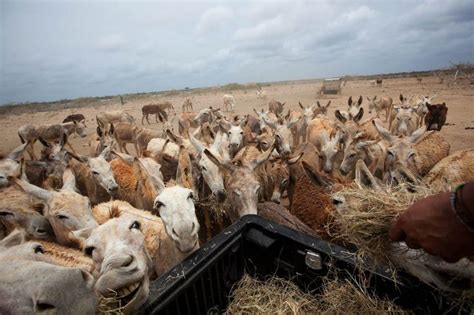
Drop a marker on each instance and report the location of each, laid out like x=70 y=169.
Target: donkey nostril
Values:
x=40 y=231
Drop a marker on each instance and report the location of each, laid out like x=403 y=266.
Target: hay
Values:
x=350 y=297
x=109 y=305
x=215 y=208
x=366 y=220
x=280 y=296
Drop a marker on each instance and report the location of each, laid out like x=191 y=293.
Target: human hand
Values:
x=431 y=224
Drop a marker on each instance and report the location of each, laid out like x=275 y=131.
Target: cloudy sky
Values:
x=71 y=48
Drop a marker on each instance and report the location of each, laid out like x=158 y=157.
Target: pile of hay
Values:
x=368 y=215
x=280 y=296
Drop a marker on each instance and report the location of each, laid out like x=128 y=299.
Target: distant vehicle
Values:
x=331 y=86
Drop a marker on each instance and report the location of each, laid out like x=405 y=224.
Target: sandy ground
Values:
x=459 y=100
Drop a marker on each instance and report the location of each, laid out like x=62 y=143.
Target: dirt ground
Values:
x=459 y=100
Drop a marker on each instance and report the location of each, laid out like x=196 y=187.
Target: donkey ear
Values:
x=216 y=161
x=417 y=134
x=105 y=153
x=173 y=137
x=329 y=103
x=99 y=131
x=244 y=121
x=33 y=190
x=261 y=158
x=184 y=173
x=99 y=122
x=294 y=159
x=359 y=115
x=364 y=178
x=339 y=116
x=63 y=140
x=43 y=142
x=316 y=177
x=18 y=151
x=16 y=237
x=384 y=133
x=225 y=125
x=196 y=144
x=301 y=105
x=349 y=101
x=83 y=234
x=78 y=157
x=69 y=181
x=270 y=124
x=319 y=105
x=359 y=102
x=128 y=159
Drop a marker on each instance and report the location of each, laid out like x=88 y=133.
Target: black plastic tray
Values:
x=201 y=284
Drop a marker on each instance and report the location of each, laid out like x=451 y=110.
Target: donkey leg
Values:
x=124 y=145
x=136 y=148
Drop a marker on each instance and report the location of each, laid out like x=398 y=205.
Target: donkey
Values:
x=50 y=133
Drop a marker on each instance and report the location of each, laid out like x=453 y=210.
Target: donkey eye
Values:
x=95 y=173
x=62 y=217
x=191 y=195
x=135 y=225
x=241 y=132
x=89 y=250
x=38 y=249
x=158 y=204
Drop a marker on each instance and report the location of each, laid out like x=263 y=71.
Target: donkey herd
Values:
x=75 y=229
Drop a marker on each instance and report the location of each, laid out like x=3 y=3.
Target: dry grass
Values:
x=366 y=222
x=215 y=208
x=109 y=305
x=280 y=296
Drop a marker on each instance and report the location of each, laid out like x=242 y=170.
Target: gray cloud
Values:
x=55 y=50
